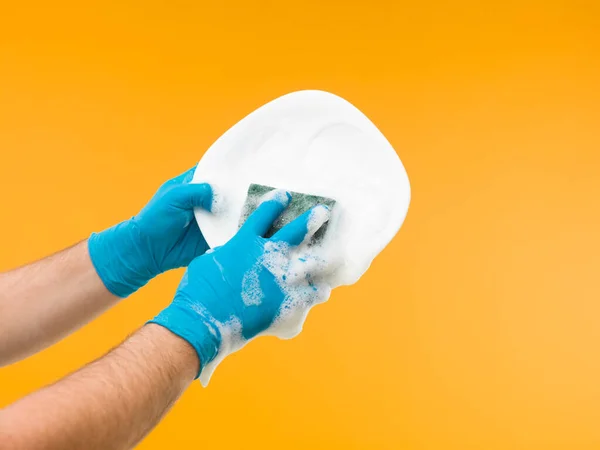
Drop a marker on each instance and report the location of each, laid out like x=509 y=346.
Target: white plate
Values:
x=317 y=143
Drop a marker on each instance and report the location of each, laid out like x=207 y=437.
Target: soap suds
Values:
x=318 y=216
x=292 y=269
x=251 y=292
x=231 y=341
x=219 y=202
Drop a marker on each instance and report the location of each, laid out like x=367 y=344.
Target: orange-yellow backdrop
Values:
x=477 y=328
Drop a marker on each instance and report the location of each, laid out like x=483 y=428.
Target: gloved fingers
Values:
x=191 y=195
x=303 y=227
x=267 y=212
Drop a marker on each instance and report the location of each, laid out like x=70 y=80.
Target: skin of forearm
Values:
x=44 y=301
x=110 y=404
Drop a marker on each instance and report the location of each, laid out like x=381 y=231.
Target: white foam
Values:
x=316 y=143
x=298 y=280
x=318 y=216
x=219 y=204
x=301 y=282
x=251 y=292
x=231 y=341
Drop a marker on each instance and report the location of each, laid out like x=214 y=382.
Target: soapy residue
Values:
x=315 y=143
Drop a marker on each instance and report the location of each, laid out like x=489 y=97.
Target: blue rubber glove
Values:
x=163 y=236
x=238 y=291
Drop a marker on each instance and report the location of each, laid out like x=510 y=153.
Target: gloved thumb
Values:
x=192 y=195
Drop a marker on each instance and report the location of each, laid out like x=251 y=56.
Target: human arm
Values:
x=42 y=302
x=111 y=403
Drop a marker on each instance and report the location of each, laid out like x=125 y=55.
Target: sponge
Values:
x=299 y=204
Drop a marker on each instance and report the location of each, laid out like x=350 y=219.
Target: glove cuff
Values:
x=113 y=253
x=199 y=331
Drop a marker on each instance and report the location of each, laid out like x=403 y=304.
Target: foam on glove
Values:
x=294 y=268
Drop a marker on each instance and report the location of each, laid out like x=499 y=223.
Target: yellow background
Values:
x=477 y=328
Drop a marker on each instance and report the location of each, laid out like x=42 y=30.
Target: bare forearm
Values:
x=111 y=403
x=42 y=302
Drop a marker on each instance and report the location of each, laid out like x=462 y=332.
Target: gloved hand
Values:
x=162 y=236
x=249 y=285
